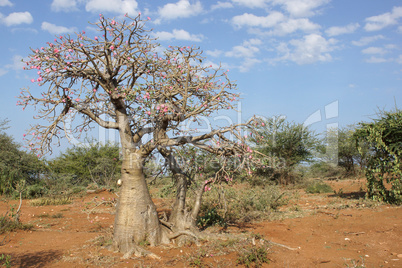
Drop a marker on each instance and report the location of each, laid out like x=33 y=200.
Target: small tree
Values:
x=96 y=163
x=15 y=164
x=118 y=81
x=349 y=157
x=287 y=143
x=384 y=137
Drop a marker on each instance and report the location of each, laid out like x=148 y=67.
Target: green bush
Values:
x=35 y=191
x=318 y=187
x=324 y=170
x=253 y=256
x=384 y=165
x=243 y=204
x=51 y=201
x=209 y=218
x=8 y=224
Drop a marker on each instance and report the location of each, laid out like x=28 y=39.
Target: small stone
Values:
x=399 y=255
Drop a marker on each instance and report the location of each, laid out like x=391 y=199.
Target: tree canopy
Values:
x=15 y=163
x=384 y=169
x=122 y=79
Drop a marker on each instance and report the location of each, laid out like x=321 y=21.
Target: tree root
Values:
x=140 y=252
x=177 y=234
x=185 y=232
x=281 y=245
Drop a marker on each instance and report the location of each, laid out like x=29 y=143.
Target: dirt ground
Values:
x=313 y=230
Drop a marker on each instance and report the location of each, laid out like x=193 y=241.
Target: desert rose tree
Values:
x=117 y=80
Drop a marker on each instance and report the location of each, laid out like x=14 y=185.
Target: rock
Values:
x=399 y=255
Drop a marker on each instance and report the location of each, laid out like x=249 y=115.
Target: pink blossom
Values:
x=96 y=38
x=148 y=18
x=111 y=47
x=32 y=80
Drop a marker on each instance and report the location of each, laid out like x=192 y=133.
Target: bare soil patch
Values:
x=318 y=230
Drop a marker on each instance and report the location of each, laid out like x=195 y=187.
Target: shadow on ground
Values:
x=352 y=195
x=35 y=259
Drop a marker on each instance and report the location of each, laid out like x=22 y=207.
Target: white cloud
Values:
x=364 y=41
x=293 y=25
x=312 y=48
x=115 y=6
x=280 y=24
x=3 y=71
x=221 y=5
x=374 y=50
x=16 y=64
x=301 y=8
x=379 y=22
x=214 y=53
x=375 y=59
x=399 y=59
x=246 y=50
x=251 y=3
x=64 y=5
x=252 y=20
x=247 y=64
x=17 y=18
x=181 y=9
x=252 y=42
x=54 y=29
x=179 y=35
x=295 y=8
x=4 y=3
x=350 y=28
x=242 y=52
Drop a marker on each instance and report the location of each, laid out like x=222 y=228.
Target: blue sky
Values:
x=315 y=61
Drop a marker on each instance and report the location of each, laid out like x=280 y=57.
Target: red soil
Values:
x=330 y=231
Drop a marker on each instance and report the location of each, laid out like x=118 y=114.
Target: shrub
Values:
x=35 y=191
x=240 y=205
x=211 y=217
x=318 y=187
x=384 y=139
x=253 y=255
x=49 y=201
x=8 y=224
x=324 y=170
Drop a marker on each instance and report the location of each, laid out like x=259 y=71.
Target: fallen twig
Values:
x=284 y=246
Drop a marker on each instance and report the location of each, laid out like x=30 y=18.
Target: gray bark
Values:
x=136 y=217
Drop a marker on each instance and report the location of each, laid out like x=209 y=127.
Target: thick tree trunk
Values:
x=183 y=221
x=136 y=217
